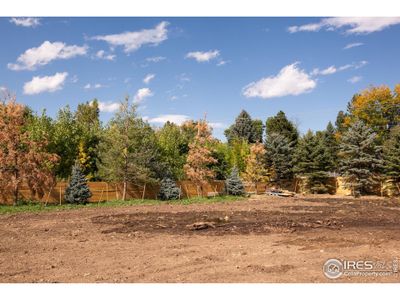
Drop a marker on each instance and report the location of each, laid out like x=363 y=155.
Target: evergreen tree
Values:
x=360 y=158
x=391 y=154
x=78 y=191
x=279 y=124
x=169 y=190
x=312 y=160
x=258 y=131
x=332 y=147
x=233 y=184
x=245 y=129
x=279 y=156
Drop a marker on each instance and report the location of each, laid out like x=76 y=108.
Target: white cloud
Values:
x=26 y=22
x=101 y=54
x=45 y=84
x=328 y=71
x=3 y=89
x=332 y=69
x=148 y=78
x=109 y=106
x=217 y=125
x=352 y=45
x=354 y=79
x=290 y=81
x=141 y=94
x=222 y=63
x=93 y=86
x=133 y=40
x=155 y=59
x=352 y=25
x=45 y=53
x=161 y=119
x=203 y=56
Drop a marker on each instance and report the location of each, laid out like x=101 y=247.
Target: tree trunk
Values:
x=16 y=193
x=124 y=191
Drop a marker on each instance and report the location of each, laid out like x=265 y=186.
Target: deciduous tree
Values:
x=23 y=158
x=199 y=159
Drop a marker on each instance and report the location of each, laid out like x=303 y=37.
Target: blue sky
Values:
x=307 y=67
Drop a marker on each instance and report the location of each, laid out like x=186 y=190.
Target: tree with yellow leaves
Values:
x=378 y=107
x=256 y=170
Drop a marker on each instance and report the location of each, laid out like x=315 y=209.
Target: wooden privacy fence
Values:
x=104 y=191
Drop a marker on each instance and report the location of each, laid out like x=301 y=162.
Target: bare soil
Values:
x=262 y=239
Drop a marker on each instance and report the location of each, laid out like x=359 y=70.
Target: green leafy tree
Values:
x=169 y=190
x=89 y=128
x=77 y=191
x=238 y=151
x=279 y=156
x=279 y=124
x=360 y=158
x=174 y=147
x=233 y=184
x=66 y=137
x=129 y=150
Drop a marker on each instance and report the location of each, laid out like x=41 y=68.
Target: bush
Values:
x=234 y=185
x=169 y=190
x=77 y=191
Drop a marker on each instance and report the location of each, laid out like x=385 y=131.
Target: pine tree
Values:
x=233 y=184
x=279 y=155
x=279 y=124
x=78 y=191
x=391 y=154
x=169 y=190
x=332 y=147
x=312 y=160
x=245 y=129
x=360 y=158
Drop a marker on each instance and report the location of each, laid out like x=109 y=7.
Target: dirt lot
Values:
x=262 y=239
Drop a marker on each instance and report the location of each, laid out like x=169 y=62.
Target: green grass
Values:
x=38 y=207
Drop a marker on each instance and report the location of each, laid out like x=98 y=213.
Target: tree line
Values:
x=363 y=146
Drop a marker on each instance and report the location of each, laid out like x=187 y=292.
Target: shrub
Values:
x=169 y=190
x=77 y=191
x=233 y=184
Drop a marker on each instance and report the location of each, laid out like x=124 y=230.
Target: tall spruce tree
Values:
x=78 y=191
x=360 y=158
x=279 y=155
x=279 y=124
x=245 y=129
x=332 y=147
x=312 y=160
x=391 y=154
x=233 y=184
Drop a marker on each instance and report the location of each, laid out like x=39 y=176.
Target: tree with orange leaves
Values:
x=199 y=159
x=23 y=159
